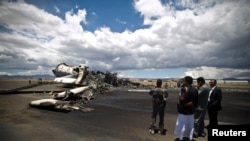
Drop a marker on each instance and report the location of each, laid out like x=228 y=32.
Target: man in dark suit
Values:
x=214 y=103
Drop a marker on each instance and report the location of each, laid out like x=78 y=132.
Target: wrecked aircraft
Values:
x=70 y=75
x=73 y=99
x=85 y=84
x=81 y=76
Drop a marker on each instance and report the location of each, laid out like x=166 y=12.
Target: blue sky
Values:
x=118 y=15
x=136 y=38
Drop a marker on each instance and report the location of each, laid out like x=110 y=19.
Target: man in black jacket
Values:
x=214 y=103
x=187 y=102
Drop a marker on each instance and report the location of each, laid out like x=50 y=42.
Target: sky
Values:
x=134 y=38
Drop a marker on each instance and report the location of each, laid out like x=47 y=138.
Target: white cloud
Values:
x=216 y=73
x=116 y=59
x=73 y=20
x=212 y=34
x=120 y=21
x=185 y=3
x=150 y=10
x=57 y=9
x=38 y=70
x=5 y=73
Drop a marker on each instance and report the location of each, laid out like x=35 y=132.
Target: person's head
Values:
x=158 y=82
x=212 y=82
x=200 y=81
x=188 y=80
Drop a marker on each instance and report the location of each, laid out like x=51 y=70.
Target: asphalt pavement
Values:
x=120 y=115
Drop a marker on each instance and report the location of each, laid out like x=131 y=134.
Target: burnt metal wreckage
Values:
x=80 y=86
x=84 y=84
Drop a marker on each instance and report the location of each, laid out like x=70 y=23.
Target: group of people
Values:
x=194 y=101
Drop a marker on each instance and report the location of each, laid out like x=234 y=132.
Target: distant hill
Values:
x=236 y=79
x=27 y=76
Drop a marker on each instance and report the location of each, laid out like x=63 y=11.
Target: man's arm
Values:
x=165 y=96
x=193 y=98
x=218 y=96
x=151 y=92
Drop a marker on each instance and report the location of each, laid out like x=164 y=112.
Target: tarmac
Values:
x=120 y=115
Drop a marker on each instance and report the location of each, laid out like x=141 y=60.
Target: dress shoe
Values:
x=195 y=135
x=177 y=139
x=208 y=126
x=202 y=134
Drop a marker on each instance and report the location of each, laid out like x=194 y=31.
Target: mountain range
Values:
x=46 y=76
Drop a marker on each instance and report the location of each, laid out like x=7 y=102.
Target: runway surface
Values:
x=120 y=115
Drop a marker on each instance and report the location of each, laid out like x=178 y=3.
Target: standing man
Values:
x=188 y=99
x=200 y=111
x=214 y=103
x=159 y=99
